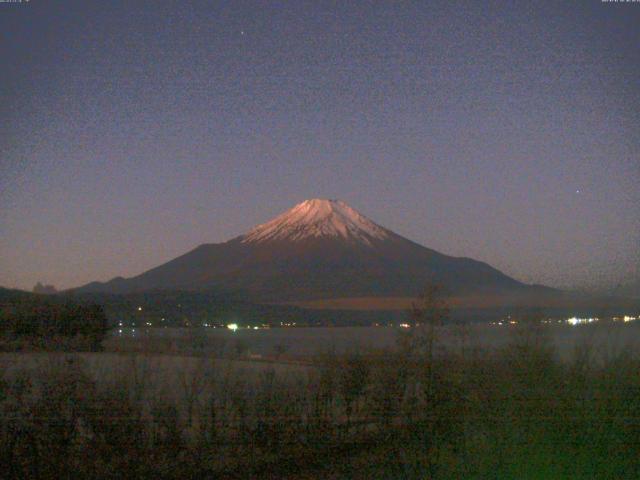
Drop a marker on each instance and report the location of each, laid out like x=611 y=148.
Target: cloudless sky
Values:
x=132 y=132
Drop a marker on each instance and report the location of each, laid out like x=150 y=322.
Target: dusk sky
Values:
x=132 y=132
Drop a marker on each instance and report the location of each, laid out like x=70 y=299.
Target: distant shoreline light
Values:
x=573 y=321
x=579 y=321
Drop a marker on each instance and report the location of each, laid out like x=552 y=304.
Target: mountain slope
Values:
x=318 y=249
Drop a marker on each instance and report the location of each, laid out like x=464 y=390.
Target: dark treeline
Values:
x=162 y=308
x=51 y=323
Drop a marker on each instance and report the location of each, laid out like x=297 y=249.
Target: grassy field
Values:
x=540 y=300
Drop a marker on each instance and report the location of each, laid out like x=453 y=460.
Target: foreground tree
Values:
x=429 y=312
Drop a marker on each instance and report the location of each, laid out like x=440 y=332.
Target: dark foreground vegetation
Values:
x=421 y=410
x=36 y=322
x=416 y=411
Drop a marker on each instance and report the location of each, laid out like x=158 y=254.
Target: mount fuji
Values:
x=319 y=250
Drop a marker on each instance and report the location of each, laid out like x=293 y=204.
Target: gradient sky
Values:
x=504 y=131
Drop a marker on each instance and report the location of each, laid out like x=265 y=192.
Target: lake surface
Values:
x=606 y=339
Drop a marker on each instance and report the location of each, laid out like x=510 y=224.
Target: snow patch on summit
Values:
x=318 y=218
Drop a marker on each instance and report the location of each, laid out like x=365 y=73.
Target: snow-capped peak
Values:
x=318 y=218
